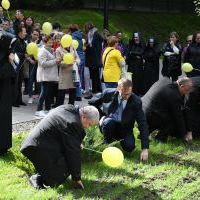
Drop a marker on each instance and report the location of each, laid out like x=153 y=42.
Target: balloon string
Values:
x=8 y=14
x=92 y=150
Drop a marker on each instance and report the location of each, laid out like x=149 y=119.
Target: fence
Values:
x=144 y=5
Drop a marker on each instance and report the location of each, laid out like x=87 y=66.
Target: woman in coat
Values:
x=172 y=57
x=68 y=75
x=135 y=63
x=47 y=75
x=151 y=64
x=113 y=63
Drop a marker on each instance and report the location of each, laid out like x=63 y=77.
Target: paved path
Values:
x=27 y=113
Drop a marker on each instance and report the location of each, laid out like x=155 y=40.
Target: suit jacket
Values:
x=54 y=145
x=193 y=106
x=164 y=99
x=131 y=113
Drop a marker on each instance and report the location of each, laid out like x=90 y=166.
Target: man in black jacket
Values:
x=163 y=106
x=53 y=146
x=193 y=109
x=125 y=108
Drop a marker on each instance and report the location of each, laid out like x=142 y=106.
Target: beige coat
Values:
x=47 y=68
x=65 y=71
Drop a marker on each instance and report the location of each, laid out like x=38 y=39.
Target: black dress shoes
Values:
x=16 y=105
x=22 y=103
x=36 y=181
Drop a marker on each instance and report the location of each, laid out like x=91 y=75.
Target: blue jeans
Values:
x=81 y=68
x=112 y=130
x=111 y=84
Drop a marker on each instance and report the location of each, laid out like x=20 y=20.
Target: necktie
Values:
x=120 y=110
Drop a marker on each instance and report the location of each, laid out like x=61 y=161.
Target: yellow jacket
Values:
x=112 y=69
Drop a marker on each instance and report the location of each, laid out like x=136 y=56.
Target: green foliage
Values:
x=172 y=172
x=158 y=25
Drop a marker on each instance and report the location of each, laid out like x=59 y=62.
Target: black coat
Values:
x=6 y=75
x=93 y=53
x=165 y=100
x=54 y=145
x=192 y=56
x=151 y=66
x=136 y=66
x=131 y=113
x=193 y=107
x=171 y=64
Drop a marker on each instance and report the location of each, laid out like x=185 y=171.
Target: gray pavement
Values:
x=27 y=113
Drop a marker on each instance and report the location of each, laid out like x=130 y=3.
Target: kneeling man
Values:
x=124 y=109
x=53 y=146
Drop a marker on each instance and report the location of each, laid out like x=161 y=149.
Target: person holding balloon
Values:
x=47 y=75
x=68 y=70
x=124 y=109
x=54 y=145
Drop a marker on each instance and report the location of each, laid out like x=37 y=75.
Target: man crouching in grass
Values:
x=53 y=146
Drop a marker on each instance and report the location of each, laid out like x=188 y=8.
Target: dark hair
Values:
x=89 y=26
x=37 y=30
x=48 y=37
x=194 y=36
x=56 y=25
x=21 y=11
x=19 y=29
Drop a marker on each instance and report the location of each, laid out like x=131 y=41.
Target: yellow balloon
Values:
x=47 y=28
x=75 y=44
x=113 y=157
x=66 y=40
x=187 y=67
x=35 y=55
x=5 y=4
x=32 y=48
x=68 y=59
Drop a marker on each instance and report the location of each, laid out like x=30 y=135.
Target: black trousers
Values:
x=95 y=76
x=61 y=96
x=164 y=123
x=17 y=87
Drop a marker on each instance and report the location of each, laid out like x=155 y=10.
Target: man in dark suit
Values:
x=163 y=106
x=53 y=146
x=193 y=109
x=125 y=108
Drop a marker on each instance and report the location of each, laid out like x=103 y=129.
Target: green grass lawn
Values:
x=172 y=172
x=149 y=24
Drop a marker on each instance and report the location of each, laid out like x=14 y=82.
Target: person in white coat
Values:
x=47 y=75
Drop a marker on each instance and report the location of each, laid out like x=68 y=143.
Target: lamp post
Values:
x=106 y=6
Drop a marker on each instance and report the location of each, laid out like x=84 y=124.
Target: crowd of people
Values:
x=99 y=72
